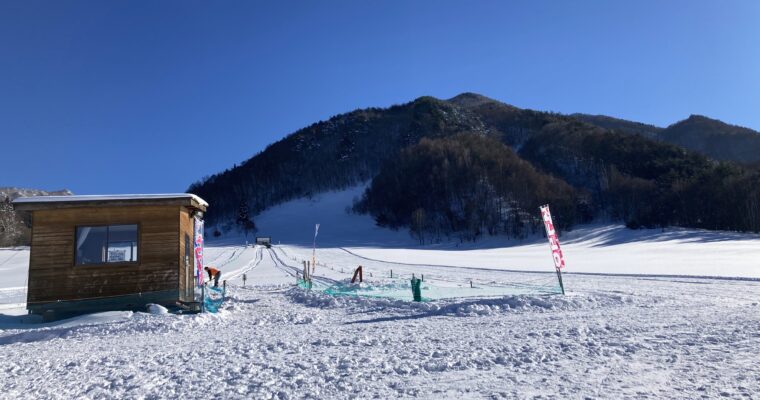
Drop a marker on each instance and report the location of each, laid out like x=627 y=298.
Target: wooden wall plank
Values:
x=53 y=275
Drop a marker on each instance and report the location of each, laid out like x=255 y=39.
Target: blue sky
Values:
x=149 y=96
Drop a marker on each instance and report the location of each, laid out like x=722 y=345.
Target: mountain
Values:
x=711 y=137
x=13 y=193
x=620 y=125
x=714 y=138
x=513 y=125
x=604 y=167
x=338 y=153
x=14 y=230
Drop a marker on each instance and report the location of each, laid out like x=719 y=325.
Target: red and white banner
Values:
x=551 y=234
x=198 y=249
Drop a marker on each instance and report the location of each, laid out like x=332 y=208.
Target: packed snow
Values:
x=661 y=330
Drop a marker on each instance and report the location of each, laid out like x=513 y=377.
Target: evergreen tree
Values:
x=244 y=220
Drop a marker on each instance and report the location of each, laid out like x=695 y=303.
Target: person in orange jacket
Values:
x=214 y=274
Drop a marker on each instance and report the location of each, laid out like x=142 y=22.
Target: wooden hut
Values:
x=117 y=252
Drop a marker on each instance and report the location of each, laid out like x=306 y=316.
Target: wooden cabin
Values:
x=118 y=252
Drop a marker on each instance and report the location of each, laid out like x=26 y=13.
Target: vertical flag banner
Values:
x=551 y=234
x=198 y=249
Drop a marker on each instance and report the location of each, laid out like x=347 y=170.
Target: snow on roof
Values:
x=109 y=197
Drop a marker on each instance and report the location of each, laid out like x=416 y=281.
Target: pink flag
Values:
x=551 y=234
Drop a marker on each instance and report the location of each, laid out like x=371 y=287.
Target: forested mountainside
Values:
x=710 y=137
x=715 y=139
x=345 y=150
x=481 y=158
x=620 y=125
x=14 y=231
x=468 y=185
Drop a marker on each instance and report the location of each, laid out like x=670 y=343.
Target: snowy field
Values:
x=664 y=330
x=607 y=249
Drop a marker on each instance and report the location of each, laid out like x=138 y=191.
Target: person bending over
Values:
x=214 y=274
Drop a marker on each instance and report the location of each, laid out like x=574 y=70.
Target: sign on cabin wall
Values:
x=551 y=234
x=198 y=249
x=117 y=255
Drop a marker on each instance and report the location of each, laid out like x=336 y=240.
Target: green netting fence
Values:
x=401 y=288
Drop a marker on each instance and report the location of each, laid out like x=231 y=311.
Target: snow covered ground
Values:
x=610 y=337
x=642 y=336
x=14 y=265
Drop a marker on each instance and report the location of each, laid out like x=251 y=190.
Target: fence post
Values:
x=416 y=289
x=358 y=274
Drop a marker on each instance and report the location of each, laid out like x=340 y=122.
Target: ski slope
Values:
x=605 y=249
x=659 y=330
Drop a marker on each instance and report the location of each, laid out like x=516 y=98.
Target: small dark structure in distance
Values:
x=264 y=241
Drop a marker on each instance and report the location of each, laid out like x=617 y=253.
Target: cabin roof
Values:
x=112 y=200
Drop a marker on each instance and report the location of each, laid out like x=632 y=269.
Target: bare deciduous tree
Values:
x=10 y=229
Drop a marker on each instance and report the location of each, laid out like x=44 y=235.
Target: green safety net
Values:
x=418 y=290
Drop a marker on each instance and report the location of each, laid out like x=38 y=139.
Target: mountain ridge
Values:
x=715 y=138
x=354 y=147
x=15 y=192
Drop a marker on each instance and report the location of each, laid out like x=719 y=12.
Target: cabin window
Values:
x=106 y=244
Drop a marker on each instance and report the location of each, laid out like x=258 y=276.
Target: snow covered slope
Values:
x=611 y=249
x=14 y=267
x=293 y=222
x=14 y=264
x=592 y=249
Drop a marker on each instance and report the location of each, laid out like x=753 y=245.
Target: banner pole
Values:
x=551 y=235
x=314 y=249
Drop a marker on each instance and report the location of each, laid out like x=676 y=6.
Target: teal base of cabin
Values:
x=56 y=310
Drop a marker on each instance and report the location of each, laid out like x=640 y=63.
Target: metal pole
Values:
x=314 y=253
x=203 y=297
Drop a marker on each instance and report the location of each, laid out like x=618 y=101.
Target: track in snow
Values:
x=294 y=271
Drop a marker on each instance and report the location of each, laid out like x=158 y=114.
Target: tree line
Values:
x=466 y=186
x=647 y=183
